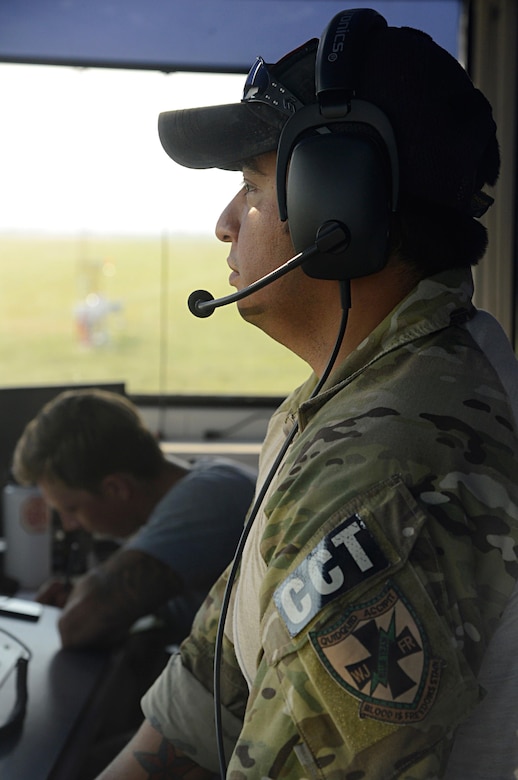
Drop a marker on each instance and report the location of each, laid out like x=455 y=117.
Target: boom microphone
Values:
x=331 y=237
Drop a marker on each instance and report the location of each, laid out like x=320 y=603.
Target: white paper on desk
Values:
x=9 y=655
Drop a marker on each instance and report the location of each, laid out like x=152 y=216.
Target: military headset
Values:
x=336 y=189
x=349 y=177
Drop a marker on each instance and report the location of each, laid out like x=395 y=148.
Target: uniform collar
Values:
x=433 y=305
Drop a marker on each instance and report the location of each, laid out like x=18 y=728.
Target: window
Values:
x=103 y=237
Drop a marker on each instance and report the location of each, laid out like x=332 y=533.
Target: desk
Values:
x=64 y=701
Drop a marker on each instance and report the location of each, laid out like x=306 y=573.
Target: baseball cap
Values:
x=444 y=129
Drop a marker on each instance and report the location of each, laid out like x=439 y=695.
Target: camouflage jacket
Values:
x=389 y=546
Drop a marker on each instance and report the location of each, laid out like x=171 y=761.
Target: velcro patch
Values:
x=348 y=555
x=380 y=654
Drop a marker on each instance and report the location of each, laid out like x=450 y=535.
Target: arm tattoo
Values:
x=166 y=763
x=135 y=583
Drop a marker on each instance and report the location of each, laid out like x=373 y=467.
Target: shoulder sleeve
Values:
x=180 y=704
x=365 y=653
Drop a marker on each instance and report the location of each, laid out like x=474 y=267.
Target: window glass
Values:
x=103 y=237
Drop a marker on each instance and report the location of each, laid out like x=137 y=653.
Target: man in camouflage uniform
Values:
x=384 y=551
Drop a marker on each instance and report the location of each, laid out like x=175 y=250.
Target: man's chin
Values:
x=249 y=311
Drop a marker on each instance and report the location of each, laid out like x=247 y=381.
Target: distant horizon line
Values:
x=90 y=232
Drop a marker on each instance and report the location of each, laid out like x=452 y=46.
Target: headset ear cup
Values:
x=337 y=159
x=340 y=178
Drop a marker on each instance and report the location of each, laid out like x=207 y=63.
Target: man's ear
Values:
x=117 y=486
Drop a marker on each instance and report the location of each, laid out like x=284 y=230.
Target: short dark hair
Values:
x=81 y=436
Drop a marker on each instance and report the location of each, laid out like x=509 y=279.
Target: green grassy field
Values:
x=151 y=342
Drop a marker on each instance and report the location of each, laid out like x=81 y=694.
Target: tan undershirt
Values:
x=243 y=621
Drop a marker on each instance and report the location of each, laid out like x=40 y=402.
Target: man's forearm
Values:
x=106 y=602
x=151 y=757
x=85 y=619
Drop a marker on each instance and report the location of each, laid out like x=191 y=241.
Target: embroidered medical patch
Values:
x=348 y=555
x=380 y=654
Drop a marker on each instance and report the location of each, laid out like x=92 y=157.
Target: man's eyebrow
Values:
x=253 y=165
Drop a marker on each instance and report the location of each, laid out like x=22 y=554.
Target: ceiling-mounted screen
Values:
x=197 y=35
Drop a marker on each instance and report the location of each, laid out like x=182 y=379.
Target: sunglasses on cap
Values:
x=261 y=87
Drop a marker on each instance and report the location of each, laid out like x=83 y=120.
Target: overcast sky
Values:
x=79 y=150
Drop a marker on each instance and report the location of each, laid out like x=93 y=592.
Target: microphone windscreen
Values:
x=199 y=303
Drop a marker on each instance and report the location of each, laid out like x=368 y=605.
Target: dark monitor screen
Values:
x=199 y=35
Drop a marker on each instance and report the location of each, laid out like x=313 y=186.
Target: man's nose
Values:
x=227 y=226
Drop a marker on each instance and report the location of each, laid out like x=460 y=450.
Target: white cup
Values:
x=27 y=532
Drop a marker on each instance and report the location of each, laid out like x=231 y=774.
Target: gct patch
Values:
x=380 y=654
x=348 y=555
